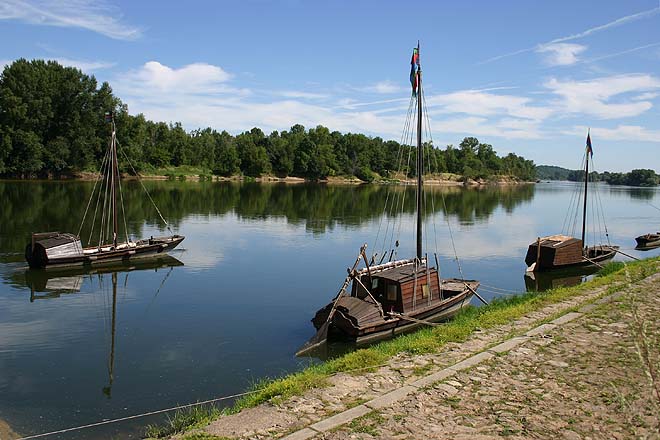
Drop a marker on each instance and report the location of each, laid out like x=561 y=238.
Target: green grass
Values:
x=185 y=419
x=429 y=340
x=610 y=268
x=367 y=424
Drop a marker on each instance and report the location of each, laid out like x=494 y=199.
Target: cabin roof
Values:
x=57 y=240
x=557 y=241
x=401 y=273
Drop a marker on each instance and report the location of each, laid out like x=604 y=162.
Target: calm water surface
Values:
x=234 y=303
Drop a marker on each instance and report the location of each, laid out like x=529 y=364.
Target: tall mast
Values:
x=115 y=178
x=586 y=185
x=420 y=159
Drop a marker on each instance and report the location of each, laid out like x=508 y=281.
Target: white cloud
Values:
x=615 y=23
x=201 y=95
x=594 y=97
x=480 y=127
x=298 y=94
x=85 y=66
x=154 y=78
x=561 y=54
x=384 y=87
x=645 y=96
x=93 y=15
x=480 y=103
x=351 y=104
x=628 y=133
x=623 y=52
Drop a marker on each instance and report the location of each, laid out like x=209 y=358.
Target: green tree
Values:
x=227 y=161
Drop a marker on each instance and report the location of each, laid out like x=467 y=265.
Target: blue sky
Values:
x=526 y=77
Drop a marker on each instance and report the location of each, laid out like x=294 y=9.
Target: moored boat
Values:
x=397 y=295
x=562 y=251
x=648 y=241
x=58 y=249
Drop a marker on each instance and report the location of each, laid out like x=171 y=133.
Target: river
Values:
x=235 y=301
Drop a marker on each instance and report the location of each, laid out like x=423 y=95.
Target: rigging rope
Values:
x=391 y=212
x=104 y=208
x=145 y=190
x=98 y=199
x=89 y=201
x=123 y=212
x=435 y=160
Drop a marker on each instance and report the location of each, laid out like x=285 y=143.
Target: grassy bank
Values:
x=614 y=277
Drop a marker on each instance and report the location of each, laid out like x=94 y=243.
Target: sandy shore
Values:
x=6 y=433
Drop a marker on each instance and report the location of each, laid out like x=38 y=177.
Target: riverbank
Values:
x=194 y=175
x=585 y=354
x=6 y=432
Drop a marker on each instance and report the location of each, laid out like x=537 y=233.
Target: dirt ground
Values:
x=596 y=377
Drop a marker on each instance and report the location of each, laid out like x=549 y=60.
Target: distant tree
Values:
x=227 y=161
x=252 y=153
x=280 y=154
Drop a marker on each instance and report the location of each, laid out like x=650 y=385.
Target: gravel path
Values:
x=587 y=379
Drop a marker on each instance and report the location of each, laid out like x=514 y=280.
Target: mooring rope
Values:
x=136 y=416
x=487 y=287
x=189 y=405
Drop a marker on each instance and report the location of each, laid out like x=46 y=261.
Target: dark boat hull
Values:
x=648 y=240
x=345 y=324
x=551 y=260
x=153 y=247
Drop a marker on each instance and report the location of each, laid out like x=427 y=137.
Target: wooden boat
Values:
x=57 y=249
x=561 y=251
x=396 y=296
x=648 y=241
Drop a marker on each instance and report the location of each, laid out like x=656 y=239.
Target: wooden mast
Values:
x=586 y=185
x=115 y=178
x=420 y=158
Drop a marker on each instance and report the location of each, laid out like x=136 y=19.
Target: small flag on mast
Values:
x=414 y=67
x=590 y=150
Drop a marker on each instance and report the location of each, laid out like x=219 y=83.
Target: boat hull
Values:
x=648 y=240
x=346 y=324
x=566 y=255
x=38 y=258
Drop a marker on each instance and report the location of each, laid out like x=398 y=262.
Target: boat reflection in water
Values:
x=49 y=284
x=542 y=281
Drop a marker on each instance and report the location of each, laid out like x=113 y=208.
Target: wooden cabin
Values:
x=401 y=289
x=46 y=246
x=555 y=251
x=371 y=315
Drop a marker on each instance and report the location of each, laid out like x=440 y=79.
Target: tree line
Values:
x=638 y=177
x=52 y=124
